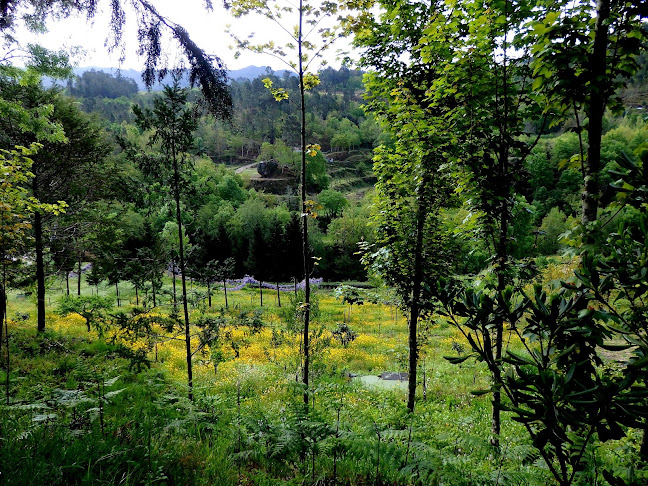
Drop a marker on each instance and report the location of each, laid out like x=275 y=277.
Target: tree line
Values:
x=118 y=217
x=335 y=119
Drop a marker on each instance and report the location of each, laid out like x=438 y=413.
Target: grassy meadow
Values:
x=110 y=407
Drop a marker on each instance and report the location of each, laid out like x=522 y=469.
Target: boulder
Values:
x=267 y=168
x=394 y=376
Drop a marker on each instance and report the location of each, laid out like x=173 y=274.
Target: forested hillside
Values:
x=428 y=269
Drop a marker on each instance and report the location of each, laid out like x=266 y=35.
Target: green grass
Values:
x=247 y=424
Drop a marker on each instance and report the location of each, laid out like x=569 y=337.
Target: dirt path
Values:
x=245 y=167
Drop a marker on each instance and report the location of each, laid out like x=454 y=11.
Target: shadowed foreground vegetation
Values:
x=109 y=406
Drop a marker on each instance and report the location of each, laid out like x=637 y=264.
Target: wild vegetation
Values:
x=467 y=215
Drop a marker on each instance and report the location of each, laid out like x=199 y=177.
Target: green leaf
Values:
x=113 y=393
x=458 y=359
x=551 y=17
x=539 y=28
x=615 y=347
x=518 y=359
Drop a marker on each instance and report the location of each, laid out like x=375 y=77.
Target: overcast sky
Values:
x=206 y=28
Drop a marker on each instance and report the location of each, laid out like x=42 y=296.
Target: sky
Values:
x=206 y=28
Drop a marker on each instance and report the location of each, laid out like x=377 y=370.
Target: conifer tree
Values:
x=172 y=123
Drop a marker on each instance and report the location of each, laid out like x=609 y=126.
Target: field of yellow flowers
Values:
x=247 y=391
x=379 y=344
x=272 y=354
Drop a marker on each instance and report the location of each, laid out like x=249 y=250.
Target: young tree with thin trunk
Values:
x=304 y=25
x=410 y=252
x=225 y=271
x=412 y=187
x=172 y=123
x=460 y=78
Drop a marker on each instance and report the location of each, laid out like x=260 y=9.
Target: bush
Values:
x=553 y=225
x=344 y=334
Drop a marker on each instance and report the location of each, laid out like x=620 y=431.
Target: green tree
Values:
x=411 y=187
x=71 y=156
x=280 y=152
x=615 y=277
x=349 y=295
x=16 y=210
x=561 y=388
x=116 y=243
x=490 y=63
x=229 y=188
x=92 y=308
x=595 y=56
x=172 y=123
x=171 y=242
x=553 y=225
x=347 y=136
x=463 y=73
x=342 y=260
x=29 y=121
x=256 y=262
x=317 y=177
x=93 y=84
x=333 y=202
x=306 y=41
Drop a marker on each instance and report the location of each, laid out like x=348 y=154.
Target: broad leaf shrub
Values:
x=561 y=388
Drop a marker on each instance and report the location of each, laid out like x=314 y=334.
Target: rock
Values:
x=267 y=168
x=394 y=376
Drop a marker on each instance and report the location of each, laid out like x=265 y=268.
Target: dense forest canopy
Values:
x=470 y=199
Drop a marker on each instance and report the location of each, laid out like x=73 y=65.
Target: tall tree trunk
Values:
x=209 y=293
x=117 y=291
x=79 y=277
x=8 y=351
x=136 y=296
x=176 y=190
x=175 y=299
x=503 y=168
x=595 y=110
x=3 y=308
x=67 y=283
x=304 y=218
x=153 y=290
x=415 y=307
x=499 y=326
x=225 y=289
x=261 y=292
x=278 y=296
x=3 y=314
x=501 y=271
x=40 y=269
x=3 y=292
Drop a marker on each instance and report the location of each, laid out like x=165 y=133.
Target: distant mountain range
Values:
x=246 y=73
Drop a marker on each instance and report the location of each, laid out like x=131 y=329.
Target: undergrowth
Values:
x=78 y=412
